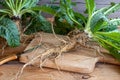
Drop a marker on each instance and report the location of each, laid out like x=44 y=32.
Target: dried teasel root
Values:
x=75 y=38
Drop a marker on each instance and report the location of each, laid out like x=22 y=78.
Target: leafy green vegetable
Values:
x=102 y=29
x=16 y=8
x=8 y=30
x=20 y=10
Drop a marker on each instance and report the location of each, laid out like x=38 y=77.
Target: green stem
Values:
x=87 y=28
x=72 y=18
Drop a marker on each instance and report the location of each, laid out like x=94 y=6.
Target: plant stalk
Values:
x=87 y=28
x=19 y=27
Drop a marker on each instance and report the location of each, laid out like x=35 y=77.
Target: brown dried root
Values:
x=75 y=37
x=3 y=45
x=26 y=38
x=48 y=55
x=3 y=48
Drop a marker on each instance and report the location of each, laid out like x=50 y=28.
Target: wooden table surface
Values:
x=101 y=72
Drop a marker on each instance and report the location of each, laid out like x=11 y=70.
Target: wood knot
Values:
x=86 y=76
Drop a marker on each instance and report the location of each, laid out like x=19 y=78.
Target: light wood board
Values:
x=102 y=72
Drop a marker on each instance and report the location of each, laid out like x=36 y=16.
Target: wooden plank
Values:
x=8 y=72
x=106 y=72
x=102 y=72
x=68 y=62
x=79 y=60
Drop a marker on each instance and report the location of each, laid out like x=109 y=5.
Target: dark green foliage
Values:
x=2 y=3
x=39 y=23
x=20 y=10
x=67 y=13
x=62 y=26
x=8 y=30
x=66 y=19
x=63 y=18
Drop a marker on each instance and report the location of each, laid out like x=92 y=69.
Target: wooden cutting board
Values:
x=78 y=60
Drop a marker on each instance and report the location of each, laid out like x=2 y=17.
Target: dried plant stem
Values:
x=62 y=40
x=3 y=48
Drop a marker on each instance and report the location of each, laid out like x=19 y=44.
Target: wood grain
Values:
x=101 y=72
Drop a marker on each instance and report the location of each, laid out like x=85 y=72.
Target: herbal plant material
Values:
x=102 y=29
x=65 y=18
x=9 y=31
x=17 y=11
x=37 y=23
x=98 y=27
x=16 y=8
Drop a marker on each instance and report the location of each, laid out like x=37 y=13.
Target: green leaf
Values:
x=39 y=23
x=99 y=26
x=8 y=30
x=80 y=16
x=2 y=3
x=108 y=28
x=102 y=29
x=113 y=51
x=111 y=38
x=16 y=8
x=30 y=3
x=100 y=22
x=115 y=22
x=113 y=8
x=110 y=41
x=97 y=20
x=68 y=12
x=62 y=27
x=90 y=5
x=44 y=8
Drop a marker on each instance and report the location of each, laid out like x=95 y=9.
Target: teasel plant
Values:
x=15 y=14
x=97 y=24
x=103 y=29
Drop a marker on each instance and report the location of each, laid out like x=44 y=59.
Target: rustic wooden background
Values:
x=80 y=7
